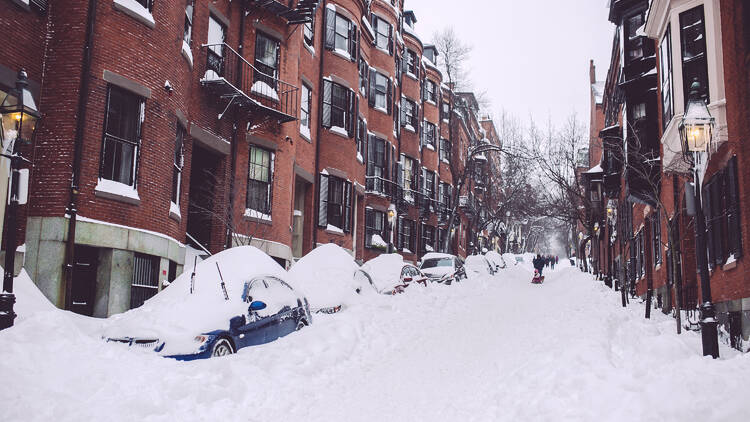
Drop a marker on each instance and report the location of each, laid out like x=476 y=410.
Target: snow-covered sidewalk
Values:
x=485 y=349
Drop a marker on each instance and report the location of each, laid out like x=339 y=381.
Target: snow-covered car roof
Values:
x=385 y=270
x=434 y=255
x=326 y=276
x=478 y=264
x=175 y=311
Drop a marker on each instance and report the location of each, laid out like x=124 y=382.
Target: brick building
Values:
x=173 y=128
x=660 y=48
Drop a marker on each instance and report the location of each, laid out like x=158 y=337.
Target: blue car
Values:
x=205 y=323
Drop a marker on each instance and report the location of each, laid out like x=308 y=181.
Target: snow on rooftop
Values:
x=598 y=89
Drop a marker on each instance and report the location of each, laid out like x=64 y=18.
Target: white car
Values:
x=389 y=274
x=479 y=265
x=442 y=268
x=327 y=277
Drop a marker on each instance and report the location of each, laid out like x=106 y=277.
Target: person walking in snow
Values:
x=538 y=263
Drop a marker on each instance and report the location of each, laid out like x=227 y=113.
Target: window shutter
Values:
x=369 y=222
x=707 y=213
x=330 y=38
x=390 y=40
x=347 y=206
x=416 y=121
x=326 y=100
x=421 y=136
x=423 y=182
x=371 y=93
x=400 y=232
x=422 y=90
x=400 y=171
x=719 y=210
x=269 y=206
x=733 y=215
x=355 y=114
x=370 y=157
x=323 y=201
x=353 y=36
x=403 y=112
x=389 y=97
x=351 y=122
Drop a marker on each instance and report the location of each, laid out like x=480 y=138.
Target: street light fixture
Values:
x=696 y=131
x=19 y=116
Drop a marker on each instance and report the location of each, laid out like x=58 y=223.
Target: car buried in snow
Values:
x=496 y=259
x=238 y=298
x=390 y=275
x=479 y=265
x=442 y=268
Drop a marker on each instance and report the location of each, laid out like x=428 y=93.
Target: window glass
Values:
x=342 y=33
x=693 y=41
x=259 y=180
x=122 y=135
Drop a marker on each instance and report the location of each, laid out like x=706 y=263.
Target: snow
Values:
x=187 y=52
x=326 y=277
x=476 y=350
x=385 y=271
x=378 y=241
x=262 y=88
x=249 y=212
x=116 y=188
x=477 y=264
x=368 y=27
x=304 y=131
x=342 y=53
x=174 y=209
x=334 y=229
x=338 y=130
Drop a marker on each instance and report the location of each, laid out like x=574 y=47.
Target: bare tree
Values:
x=453 y=55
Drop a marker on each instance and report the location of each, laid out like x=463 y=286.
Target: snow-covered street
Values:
x=486 y=349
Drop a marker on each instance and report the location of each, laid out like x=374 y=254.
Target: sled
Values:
x=537 y=280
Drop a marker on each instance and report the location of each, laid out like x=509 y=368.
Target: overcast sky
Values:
x=531 y=56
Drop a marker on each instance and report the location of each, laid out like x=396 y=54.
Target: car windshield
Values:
x=437 y=262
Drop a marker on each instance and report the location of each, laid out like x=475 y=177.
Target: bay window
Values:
x=693 y=41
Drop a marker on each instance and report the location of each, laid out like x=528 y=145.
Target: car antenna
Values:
x=223 y=286
x=192 y=276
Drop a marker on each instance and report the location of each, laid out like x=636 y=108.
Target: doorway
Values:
x=298 y=224
x=84 y=280
x=203 y=183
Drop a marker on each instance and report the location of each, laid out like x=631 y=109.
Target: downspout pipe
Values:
x=317 y=141
x=234 y=146
x=72 y=209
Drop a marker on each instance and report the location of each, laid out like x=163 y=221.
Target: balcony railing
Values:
x=301 y=12
x=231 y=77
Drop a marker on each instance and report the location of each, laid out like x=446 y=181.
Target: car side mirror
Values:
x=236 y=322
x=256 y=305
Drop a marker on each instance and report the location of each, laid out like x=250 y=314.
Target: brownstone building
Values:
x=175 y=128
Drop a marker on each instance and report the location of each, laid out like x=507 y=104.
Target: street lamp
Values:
x=696 y=131
x=392 y=220
x=19 y=117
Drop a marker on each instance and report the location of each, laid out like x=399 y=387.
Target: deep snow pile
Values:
x=485 y=349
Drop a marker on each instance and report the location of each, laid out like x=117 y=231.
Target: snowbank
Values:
x=385 y=271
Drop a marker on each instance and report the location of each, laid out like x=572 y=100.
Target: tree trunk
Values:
x=676 y=273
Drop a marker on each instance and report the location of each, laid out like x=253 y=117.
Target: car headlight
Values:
x=201 y=339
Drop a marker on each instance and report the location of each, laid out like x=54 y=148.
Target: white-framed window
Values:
x=122 y=136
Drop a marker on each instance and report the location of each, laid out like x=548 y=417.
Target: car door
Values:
x=258 y=324
x=283 y=302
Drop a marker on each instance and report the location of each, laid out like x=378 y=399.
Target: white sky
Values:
x=531 y=56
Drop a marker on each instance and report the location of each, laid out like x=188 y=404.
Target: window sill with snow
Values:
x=116 y=191
x=187 y=53
x=257 y=217
x=174 y=212
x=136 y=11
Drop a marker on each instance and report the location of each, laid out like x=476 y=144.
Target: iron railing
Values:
x=234 y=78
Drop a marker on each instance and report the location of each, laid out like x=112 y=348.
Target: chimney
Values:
x=592 y=71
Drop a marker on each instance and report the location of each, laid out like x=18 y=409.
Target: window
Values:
x=335 y=203
x=215 y=52
x=147 y=4
x=308 y=32
x=409 y=114
x=721 y=209
x=364 y=69
x=304 y=118
x=656 y=237
x=145 y=281
x=406 y=235
x=375 y=225
x=429 y=184
x=429 y=133
x=428 y=238
x=338 y=107
x=122 y=136
x=693 y=40
x=178 y=162
x=341 y=34
x=445 y=195
x=411 y=66
x=188 y=34
x=430 y=91
x=445 y=150
x=445 y=112
x=376 y=166
x=665 y=56
x=638 y=111
x=634 y=39
x=267 y=65
x=380 y=90
x=383 y=34
x=259 y=180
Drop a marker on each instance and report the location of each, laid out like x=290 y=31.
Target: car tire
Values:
x=222 y=347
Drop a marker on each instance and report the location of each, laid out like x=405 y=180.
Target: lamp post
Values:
x=19 y=117
x=392 y=221
x=696 y=131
